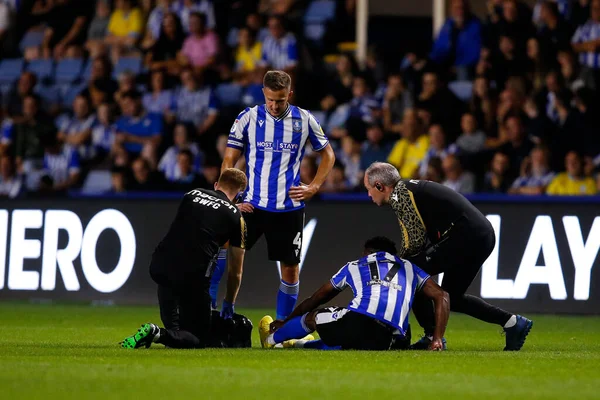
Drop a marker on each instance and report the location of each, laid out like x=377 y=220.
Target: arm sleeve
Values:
x=339 y=280
x=421 y=276
x=316 y=136
x=239 y=130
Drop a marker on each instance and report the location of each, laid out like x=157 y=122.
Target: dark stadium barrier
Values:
x=98 y=250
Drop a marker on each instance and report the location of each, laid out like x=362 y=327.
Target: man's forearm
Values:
x=442 y=312
x=235 y=264
x=230 y=158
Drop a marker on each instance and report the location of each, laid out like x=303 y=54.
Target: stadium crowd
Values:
x=118 y=96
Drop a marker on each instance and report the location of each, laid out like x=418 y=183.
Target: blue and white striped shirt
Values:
x=274 y=148
x=586 y=33
x=384 y=287
x=204 y=7
x=280 y=53
x=60 y=166
x=195 y=106
x=73 y=126
x=168 y=163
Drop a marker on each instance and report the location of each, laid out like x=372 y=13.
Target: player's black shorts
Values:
x=283 y=231
x=338 y=326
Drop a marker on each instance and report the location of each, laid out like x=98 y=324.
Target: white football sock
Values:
x=271 y=340
x=511 y=322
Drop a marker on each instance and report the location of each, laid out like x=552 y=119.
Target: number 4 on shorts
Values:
x=298 y=242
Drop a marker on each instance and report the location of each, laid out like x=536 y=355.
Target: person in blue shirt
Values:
x=459 y=41
x=384 y=287
x=138 y=132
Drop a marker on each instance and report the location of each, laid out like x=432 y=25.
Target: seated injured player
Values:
x=384 y=287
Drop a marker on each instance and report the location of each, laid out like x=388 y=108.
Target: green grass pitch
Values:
x=71 y=352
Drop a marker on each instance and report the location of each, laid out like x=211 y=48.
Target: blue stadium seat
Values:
x=32 y=38
x=229 y=94
x=321 y=117
x=320 y=11
x=10 y=70
x=132 y=64
x=50 y=94
x=462 y=89
x=68 y=71
x=97 y=181
x=43 y=69
x=253 y=95
x=71 y=92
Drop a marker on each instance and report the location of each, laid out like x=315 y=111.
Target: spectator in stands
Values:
x=118 y=179
x=363 y=106
x=280 y=50
x=409 y=151
x=483 y=104
x=138 y=133
x=186 y=8
x=554 y=35
x=471 y=140
x=194 y=104
x=124 y=28
x=155 y=20
x=164 y=50
x=158 y=99
x=143 y=178
x=397 y=99
x=67 y=22
x=339 y=85
x=62 y=168
x=438 y=147
x=586 y=42
x=375 y=148
x=336 y=181
x=572 y=182
x=7 y=27
x=518 y=145
x=580 y=12
x=76 y=131
x=11 y=185
x=30 y=134
x=547 y=97
x=13 y=102
x=434 y=171
x=536 y=66
x=350 y=157
x=514 y=21
x=126 y=82
x=103 y=133
x=247 y=57
x=444 y=106
x=507 y=62
x=169 y=164
x=455 y=177
x=188 y=177
x=459 y=41
x=101 y=87
x=200 y=49
x=570 y=70
x=98 y=29
x=537 y=123
x=535 y=174
x=569 y=130
x=511 y=103
x=497 y=179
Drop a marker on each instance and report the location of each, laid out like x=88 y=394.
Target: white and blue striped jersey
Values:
x=280 y=53
x=384 y=287
x=274 y=148
x=73 y=126
x=62 y=165
x=586 y=33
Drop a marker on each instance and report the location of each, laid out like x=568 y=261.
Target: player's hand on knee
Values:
x=436 y=345
x=276 y=325
x=245 y=207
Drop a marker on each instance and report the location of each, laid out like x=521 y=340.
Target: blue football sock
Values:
x=293 y=329
x=217 y=275
x=286 y=298
x=319 y=345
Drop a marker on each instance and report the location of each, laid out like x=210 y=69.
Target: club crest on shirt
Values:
x=297 y=125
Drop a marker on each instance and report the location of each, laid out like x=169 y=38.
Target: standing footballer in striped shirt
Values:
x=273 y=137
x=384 y=287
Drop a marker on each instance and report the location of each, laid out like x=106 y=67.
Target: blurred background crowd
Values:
x=121 y=96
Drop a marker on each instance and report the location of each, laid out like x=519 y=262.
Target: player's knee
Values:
x=310 y=320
